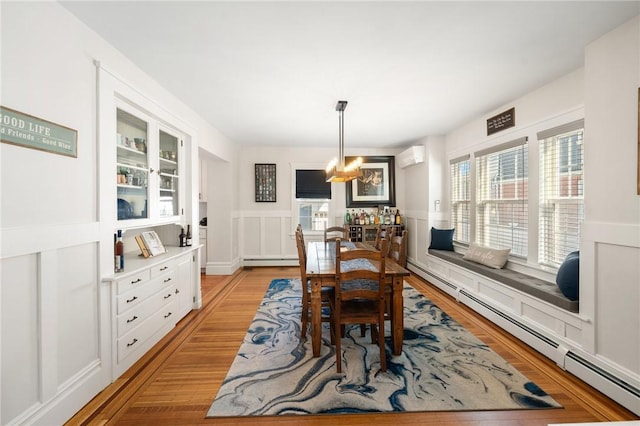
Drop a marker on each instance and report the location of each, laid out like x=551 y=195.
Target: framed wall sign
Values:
x=265 y=183
x=18 y=128
x=377 y=186
x=502 y=121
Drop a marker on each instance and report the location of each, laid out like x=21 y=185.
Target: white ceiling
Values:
x=270 y=73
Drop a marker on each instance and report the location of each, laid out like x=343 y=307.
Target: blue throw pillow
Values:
x=568 y=278
x=441 y=239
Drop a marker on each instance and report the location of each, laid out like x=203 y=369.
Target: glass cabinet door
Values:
x=169 y=174
x=132 y=166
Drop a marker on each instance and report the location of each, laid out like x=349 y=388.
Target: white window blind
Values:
x=501 y=196
x=460 y=169
x=561 y=192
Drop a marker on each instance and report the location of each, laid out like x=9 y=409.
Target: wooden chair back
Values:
x=360 y=295
x=334 y=232
x=382 y=232
x=398 y=249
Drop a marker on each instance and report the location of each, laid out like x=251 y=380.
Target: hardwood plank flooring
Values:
x=175 y=383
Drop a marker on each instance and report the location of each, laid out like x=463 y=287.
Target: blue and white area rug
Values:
x=443 y=367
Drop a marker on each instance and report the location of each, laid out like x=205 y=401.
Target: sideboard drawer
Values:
x=138 y=314
x=162 y=268
x=133 y=281
x=131 y=341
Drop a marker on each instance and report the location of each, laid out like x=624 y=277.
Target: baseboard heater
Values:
x=631 y=389
x=282 y=261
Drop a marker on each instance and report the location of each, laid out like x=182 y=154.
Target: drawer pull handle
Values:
x=167 y=280
x=167 y=296
x=132 y=299
x=136 y=281
x=132 y=343
x=164 y=268
x=132 y=319
x=168 y=315
x=177 y=291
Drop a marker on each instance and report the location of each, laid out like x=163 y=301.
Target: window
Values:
x=460 y=169
x=502 y=196
x=561 y=192
x=312 y=199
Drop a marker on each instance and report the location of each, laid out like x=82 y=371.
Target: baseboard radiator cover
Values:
x=623 y=392
x=269 y=261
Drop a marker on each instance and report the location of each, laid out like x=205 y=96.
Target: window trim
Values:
x=295 y=218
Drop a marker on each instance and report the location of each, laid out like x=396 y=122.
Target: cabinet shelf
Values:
x=133 y=187
x=164 y=160
x=132 y=150
x=131 y=166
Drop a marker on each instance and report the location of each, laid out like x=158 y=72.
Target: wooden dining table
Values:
x=321 y=271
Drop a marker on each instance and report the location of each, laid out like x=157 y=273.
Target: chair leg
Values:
x=305 y=321
x=374 y=333
x=383 y=353
x=363 y=330
x=338 y=339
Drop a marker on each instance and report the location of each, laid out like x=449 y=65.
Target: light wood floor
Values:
x=175 y=383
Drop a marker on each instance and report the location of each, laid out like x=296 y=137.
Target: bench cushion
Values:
x=536 y=287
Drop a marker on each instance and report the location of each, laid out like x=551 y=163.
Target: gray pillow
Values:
x=493 y=258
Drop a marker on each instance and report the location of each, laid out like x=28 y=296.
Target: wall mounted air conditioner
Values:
x=411 y=156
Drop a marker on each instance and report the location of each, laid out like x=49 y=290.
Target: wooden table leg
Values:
x=398 y=315
x=316 y=316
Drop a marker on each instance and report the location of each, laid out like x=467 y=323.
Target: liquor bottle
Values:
x=347 y=219
x=387 y=217
x=398 y=218
x=119 y=252
x=182 y=237
x=393 y=217
x=188 y=238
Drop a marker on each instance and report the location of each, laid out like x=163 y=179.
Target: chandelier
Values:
x=337 y=171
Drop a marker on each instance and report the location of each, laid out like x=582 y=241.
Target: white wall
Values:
x=266 y=229
x=54 y=338
x=611 y=232
x=605 y=93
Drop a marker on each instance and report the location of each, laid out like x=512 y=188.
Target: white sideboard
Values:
x=147 y=300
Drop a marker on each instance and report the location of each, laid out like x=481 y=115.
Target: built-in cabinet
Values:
x=367 y=233
x=147 y=184
x=149 y=162
x=147 y=301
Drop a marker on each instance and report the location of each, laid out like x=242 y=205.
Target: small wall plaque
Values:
x=21 y=129
x=265 y=183
x=501 y=121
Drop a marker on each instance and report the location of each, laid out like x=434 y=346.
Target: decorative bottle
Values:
x=182 y=237
x=119 y=252
x=188 y=237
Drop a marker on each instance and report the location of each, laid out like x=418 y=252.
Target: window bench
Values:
x=543 y=290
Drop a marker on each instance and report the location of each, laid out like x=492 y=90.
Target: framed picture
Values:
x=265 y=183
x=377 y=186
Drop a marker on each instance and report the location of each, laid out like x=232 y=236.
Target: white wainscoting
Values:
x=55 y=352
x=601 y=344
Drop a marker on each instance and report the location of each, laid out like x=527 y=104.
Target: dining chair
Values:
x=334 y=232
x=360 y=296
x=398 y=249
x=382 y=232
x=326 y=293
